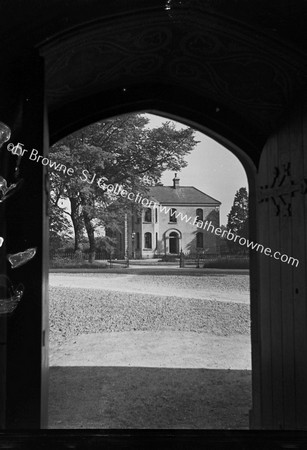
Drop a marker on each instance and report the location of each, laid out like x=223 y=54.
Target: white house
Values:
x=171 y=226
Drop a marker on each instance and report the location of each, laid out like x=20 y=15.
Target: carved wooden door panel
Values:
x=282 y=306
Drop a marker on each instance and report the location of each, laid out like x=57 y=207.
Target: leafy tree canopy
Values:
x=238 y=217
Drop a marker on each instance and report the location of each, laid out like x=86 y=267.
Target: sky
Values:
x=211 y=168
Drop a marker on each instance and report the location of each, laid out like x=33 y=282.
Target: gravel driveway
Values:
x=221 y=287
x=144 y=321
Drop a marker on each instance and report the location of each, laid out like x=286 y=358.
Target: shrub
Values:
x=169 y=258
x=227 y=263
x=60 y=262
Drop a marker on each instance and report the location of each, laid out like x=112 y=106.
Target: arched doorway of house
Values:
x=174 y=243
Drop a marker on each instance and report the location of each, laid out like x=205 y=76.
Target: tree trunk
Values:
x=91 y=236
x=76 y=222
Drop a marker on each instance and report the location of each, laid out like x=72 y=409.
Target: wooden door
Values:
x=282 y=308
x=24 y=335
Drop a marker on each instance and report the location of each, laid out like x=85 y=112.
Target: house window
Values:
x=199 y=214
x=199 y=240
x=137 y=241
x=156 y=215
x=147 y=215
x=172 y=216
x=156 y=241
x=147 y=240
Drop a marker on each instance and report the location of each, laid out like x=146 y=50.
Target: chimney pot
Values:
x=176 y=181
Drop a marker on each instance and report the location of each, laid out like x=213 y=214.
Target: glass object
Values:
x=21 y=258
x=5 y=190
x=9 y=297
x=5 y=133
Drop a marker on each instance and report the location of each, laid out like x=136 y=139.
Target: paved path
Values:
x=168 y=349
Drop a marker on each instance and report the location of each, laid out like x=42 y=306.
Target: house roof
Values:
x=181 y=195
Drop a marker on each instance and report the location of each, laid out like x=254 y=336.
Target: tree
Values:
x=238 y=218
x=122 y=150
x=64 y=191
x=59 y=227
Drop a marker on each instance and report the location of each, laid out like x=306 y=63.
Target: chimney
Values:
x=176 y=181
